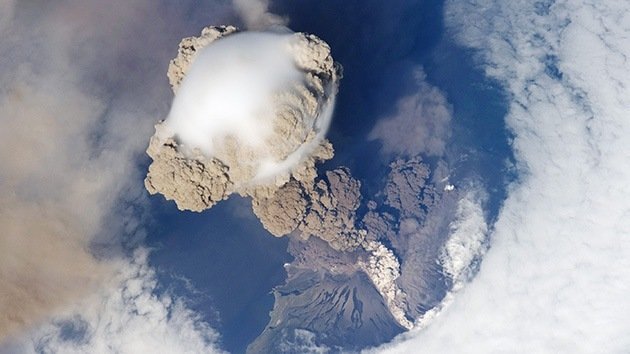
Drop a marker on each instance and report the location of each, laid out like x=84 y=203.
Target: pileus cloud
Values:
x=251 y=111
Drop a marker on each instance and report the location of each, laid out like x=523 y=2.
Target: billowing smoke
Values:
x=249 y=117
x=250 y=113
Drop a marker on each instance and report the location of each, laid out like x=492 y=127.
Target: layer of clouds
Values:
x=466 y=243
x=82 y=84
x=420 y=125
x=557 y=276
x=127 y=316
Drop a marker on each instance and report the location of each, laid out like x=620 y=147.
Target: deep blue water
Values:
x=232 y=259
x=479 y=146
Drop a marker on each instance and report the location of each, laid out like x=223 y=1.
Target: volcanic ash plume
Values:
x=249 y=117
x=250 y=114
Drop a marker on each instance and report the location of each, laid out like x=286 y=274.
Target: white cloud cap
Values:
x=229 y=91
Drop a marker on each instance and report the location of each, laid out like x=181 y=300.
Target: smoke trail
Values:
x=256 y=14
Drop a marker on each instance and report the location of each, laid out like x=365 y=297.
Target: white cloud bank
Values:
x=557 y=276
x=127 y=316
x=466 y=243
